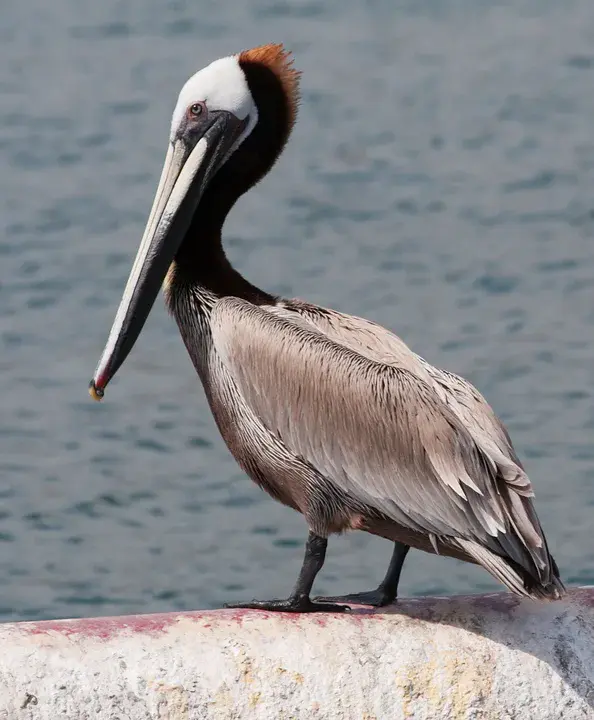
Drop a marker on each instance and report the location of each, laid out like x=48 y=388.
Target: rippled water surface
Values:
x=439 y=181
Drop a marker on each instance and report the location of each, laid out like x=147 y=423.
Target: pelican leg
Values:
x=388 y=589
x=299 y=600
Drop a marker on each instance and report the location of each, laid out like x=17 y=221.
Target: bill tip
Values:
x=95 y=392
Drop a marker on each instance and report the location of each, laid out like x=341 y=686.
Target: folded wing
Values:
x=377 y=431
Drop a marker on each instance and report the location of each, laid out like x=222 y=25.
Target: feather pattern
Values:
x=382 y=427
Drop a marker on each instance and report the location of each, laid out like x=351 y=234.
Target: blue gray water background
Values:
x=439 y=181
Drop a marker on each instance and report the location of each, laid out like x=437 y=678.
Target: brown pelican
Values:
x=331 y=414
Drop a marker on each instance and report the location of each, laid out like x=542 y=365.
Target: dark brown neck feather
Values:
x=204 y=264
x=201 y=259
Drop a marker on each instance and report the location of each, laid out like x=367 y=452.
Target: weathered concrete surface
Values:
x=482 y=657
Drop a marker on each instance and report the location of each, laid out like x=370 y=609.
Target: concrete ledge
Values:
x=481 y=657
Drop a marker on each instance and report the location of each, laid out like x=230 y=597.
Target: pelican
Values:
x=332 y=415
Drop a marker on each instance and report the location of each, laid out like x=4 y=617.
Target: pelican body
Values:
x=332 y=415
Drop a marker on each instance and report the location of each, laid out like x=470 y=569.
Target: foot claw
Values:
x=292 y=605
x=375 y=598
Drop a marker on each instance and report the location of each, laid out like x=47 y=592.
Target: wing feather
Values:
x=464 y=400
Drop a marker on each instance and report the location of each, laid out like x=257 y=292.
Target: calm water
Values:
x=439 y=181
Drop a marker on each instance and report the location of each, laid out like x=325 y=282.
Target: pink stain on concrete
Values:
x=430 y=609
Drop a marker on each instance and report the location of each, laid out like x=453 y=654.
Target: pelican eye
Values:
x=196 y=109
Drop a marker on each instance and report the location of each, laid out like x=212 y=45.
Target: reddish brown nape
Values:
x=280 y=61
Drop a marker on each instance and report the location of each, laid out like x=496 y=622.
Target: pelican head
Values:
x=231 y=121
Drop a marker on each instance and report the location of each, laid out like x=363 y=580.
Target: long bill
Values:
x=190 y=163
